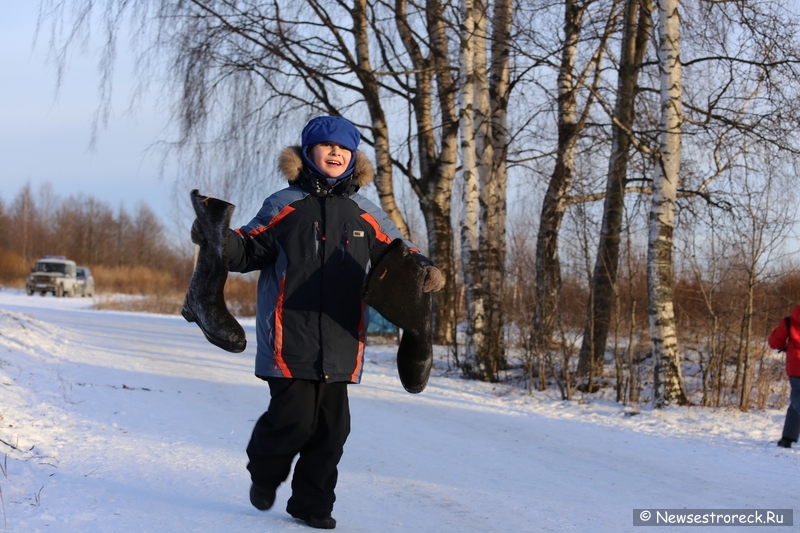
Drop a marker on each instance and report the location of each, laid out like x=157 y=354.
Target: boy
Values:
x=312 y=243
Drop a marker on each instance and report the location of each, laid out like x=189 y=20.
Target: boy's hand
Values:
x=197 y=234
x=434 y=281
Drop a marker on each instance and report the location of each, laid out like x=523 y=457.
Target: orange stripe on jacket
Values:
x=277 y=218
x=377 y=227
x=378 y=233
x=362 y=333
x=279 y=362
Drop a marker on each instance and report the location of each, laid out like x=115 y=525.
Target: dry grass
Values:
x=240 y=295
x=136 y=280
x=13 y=269
x=153 y=292
x=141 y=289
x=167 y=304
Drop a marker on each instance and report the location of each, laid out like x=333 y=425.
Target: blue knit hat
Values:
x=330 y=129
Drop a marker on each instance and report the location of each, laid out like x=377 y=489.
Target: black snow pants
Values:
x=311 y=418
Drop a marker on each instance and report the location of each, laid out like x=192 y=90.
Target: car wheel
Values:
x=43 y=293
x=29 y=291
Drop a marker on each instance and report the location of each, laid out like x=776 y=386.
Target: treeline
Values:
x=723 y=317
x=127 y=251
x=605 y=185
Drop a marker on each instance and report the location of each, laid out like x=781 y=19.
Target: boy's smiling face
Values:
x=330 y=158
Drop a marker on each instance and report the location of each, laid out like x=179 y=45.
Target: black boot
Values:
x=785 y=442
x=205 y=301
x=318 y=521
x=262 y=499
x=394 y=288
x=321 y=522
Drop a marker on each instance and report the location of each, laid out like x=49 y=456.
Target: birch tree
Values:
x=571 y=121
x=493 y=99
x=484 y=145
x=433 y=100
x=729 y=105
x=384 y=182
x=636 y=27
x=668 y=378
x=473 y=364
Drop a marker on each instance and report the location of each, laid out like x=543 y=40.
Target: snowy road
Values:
x=126 y=422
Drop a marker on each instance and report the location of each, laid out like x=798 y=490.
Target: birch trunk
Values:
x=473 y=364
x=548 y=269
x=437 y=167
x=484 y=146
x=380 y=128
x=493 y=146
x=441 y=190
x=636 y=31
x=668 y=378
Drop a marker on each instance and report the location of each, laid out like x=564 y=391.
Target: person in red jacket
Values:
x=786 y=336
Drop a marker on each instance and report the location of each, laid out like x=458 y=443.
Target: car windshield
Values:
x=44 y=266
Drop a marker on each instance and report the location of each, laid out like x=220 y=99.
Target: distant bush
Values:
x=128 y=252
x=152 y=291
x=13 y=269
x=165 y=304
x=240 y=294
x=137 y=280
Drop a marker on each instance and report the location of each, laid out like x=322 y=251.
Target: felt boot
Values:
x=394 y=288
x=261 y=498
x=205 y=303
x=321 y=522
x=317 y=521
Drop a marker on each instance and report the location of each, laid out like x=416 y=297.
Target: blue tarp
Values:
x=379 y=325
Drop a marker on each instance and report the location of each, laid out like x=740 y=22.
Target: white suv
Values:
x=55 y=274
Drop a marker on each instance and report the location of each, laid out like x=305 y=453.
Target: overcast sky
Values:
x=45 y=134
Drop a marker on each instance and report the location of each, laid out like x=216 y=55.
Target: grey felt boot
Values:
x=394 y=288
x=205 y=302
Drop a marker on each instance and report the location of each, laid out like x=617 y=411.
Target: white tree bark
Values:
x=491 y=109
x=668 y=379
x=554 y=205
x=484 y=147
x=472 y=363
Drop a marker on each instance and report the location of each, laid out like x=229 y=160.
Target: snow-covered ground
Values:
x=129 y=423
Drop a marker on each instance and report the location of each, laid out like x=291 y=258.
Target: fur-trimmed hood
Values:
x=290 y=164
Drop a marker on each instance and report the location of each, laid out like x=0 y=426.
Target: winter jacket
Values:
x=313 y=244
x=778 y=337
